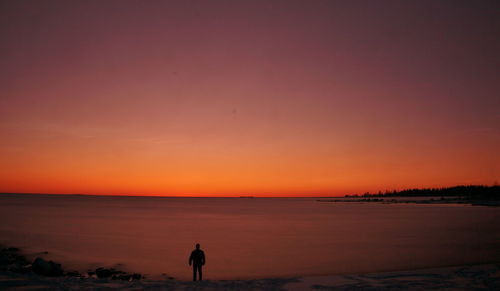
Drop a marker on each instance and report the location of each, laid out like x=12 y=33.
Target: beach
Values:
x=475 y=277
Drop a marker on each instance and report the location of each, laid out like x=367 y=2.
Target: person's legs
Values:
x=194 y=272
x=199 y=272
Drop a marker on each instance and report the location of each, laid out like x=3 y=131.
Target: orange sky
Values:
x=293 y=98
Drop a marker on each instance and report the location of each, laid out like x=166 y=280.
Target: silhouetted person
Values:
x=197 y=258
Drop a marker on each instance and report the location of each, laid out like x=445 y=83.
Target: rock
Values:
x=103 y=273
x=106 y=273
x=73 y=274
x=47 y=268
x=115 y=274
x=19 y=268
x=124 y=277
x=20 y=259
x=4 y=260
x=11 y=260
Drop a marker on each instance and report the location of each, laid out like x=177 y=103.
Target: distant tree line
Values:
x=464 y=191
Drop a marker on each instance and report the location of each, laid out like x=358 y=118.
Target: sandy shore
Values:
x=476 y=277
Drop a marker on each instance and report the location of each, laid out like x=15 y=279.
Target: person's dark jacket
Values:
x=197 y=258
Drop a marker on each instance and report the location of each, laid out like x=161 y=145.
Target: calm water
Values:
x=248 y=238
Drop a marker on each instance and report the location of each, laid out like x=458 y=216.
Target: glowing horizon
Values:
x=250 y=98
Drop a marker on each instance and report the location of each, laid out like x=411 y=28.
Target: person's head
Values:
x=197 y=246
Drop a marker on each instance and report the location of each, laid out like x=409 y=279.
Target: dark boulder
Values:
x=115 y=274
x=11 y=256
x=47 y=268
x=106 y=273
x=103 y=273
x=19 y=268
x=127 y=277
x=124 y=277
x=73 y=274
x=4 y=261
x=12 y=260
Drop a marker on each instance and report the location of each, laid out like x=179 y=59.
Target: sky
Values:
x=262 y=98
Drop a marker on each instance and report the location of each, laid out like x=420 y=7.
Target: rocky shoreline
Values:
x=17 y=272
x=13 y=260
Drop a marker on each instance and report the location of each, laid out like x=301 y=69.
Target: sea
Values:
x=247 y=237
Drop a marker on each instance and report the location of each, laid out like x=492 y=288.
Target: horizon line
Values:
x=169 y=196
x=239 y=196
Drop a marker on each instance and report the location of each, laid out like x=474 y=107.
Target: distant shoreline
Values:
x=475 y=195
x=408 y=200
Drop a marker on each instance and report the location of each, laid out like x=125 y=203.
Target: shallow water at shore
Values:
x=248 y=238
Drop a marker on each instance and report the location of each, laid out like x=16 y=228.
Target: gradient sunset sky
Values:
x=256 y=98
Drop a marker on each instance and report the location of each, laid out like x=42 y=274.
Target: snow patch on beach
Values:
x=478 y=277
